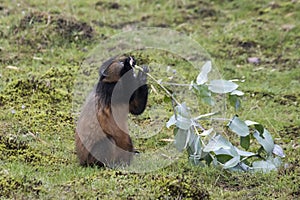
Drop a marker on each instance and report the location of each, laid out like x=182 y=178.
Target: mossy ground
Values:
x=43 y=45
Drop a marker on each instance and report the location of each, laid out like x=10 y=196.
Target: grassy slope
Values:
x=37 y=157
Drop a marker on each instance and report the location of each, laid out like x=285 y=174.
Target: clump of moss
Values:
x=40 y=30
x=181 y=187
x=15 y=148
x=33 y=107
x=49 y=92
x=10 y=187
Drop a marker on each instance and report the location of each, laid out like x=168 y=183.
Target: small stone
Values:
x=254 y=60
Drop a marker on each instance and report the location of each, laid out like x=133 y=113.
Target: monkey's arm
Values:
x=115 y=127
x=138 y=100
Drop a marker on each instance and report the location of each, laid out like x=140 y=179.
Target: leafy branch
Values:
x=212 y=147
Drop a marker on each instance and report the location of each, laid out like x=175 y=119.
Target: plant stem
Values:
x=157 y=82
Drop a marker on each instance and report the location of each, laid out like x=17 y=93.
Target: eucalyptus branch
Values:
x=187 y=134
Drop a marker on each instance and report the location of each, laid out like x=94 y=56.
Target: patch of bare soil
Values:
x=288 y=100
x=107 y=5
x=290 y=132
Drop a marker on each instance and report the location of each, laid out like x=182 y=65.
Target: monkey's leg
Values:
x=111 y=153
x=103 y=153
x=82 y=152
x=124 y=150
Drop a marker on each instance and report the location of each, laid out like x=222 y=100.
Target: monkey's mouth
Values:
x=131 y=61
x=132 y=64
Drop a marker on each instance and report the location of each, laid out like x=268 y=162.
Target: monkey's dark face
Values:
x=128 y=64
x=113 y=69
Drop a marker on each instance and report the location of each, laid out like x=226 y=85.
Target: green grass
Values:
x=41 y=55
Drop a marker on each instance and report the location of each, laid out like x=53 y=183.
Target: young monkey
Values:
x=101 y=136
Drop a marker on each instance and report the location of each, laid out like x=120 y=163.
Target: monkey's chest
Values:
x=114 y=119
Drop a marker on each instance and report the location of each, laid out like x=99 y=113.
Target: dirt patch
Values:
x=292 y=169
x=107 y=5
x=291 y=132
x=238 y=182
x=246 y=44
x=199 y=10
x=288 y=100
x=40 y=29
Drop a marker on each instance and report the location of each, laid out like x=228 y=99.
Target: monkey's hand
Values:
x=142 y=75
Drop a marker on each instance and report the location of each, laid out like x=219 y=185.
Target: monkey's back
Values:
x=88 y=130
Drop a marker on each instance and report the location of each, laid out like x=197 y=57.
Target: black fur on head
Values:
x=129 y=63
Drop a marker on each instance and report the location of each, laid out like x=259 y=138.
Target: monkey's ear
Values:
x=104 y=69
x=105 y=65
x=111 y=73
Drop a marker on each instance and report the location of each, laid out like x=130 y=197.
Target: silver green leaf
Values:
x=195 y=145
x=183 y=123
x=183 y=120
x=239 y=127
x=266 y=165
x=278 y=151
x=202 y=77
x=171 y=121
x=237 y=92
x=181 y=137
x=232 y=162
x=183 y=110
x=222 y=86
x=217 y=143
x=266 y=141
x=244 y=153
x=207 y=132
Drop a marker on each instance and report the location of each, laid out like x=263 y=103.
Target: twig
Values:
x=176 y=84
x=206 y=115
x=35 y=137
x=157 y=82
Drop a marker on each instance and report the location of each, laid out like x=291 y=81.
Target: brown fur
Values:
x=102 y=138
